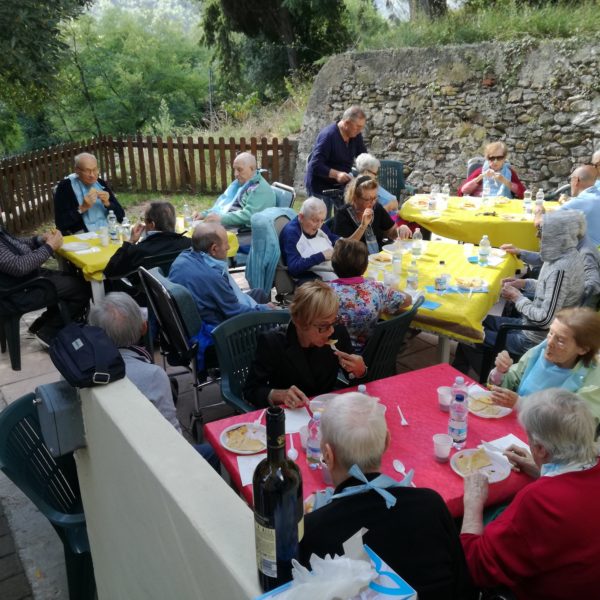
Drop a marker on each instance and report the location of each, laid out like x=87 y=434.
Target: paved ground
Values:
x=31 y=559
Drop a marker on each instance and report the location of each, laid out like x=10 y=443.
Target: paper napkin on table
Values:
x=295 y=419
x=88 y=235
x=91 y=250
x=509 y=440
x=247 y=465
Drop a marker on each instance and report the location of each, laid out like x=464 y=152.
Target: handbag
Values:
x=85 y=356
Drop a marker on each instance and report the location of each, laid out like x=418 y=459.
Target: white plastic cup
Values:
x=103 y=233
x=444 y=397
x=442 y=444
x=469 y=249
x=391 y=280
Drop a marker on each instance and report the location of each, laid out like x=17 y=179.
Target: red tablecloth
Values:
x=416 y=393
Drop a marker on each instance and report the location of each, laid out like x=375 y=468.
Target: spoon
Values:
x=292 y=452
x=399 y=466
x=258 y=419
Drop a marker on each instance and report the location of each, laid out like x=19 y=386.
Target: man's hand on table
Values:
x=54 y=239
x=521 y=460
x=510 y=249
x=404 y=232
x=136 y=232
x=293 y=397
x=476 y=493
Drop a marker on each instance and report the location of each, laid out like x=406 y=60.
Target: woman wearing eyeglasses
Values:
x=496 y=171
x=303 y=359
x=363 y=211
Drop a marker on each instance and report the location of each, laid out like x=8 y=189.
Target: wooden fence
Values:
x=136 y=164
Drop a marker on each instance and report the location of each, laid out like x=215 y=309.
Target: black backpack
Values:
x=86 y=356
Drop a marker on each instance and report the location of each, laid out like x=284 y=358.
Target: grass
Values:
x=504 y=21
x=134 y=203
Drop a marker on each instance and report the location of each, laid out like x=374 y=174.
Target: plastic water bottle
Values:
x=417 y=243
x=445 y=196
x=539 y=200
x=484 y=251
x=412 y=277
x=187 y=216
x=313 y=443
x=125 y=229
x=441 y=279
x=459 y=411
x=485 y=194
x=112 y=227
x=527 y=207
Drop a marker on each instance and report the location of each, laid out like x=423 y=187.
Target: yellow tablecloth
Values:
x=510 y=225
x=92 y=265
x=459 y=315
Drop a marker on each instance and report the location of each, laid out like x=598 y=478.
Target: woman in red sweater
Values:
x=546 y=544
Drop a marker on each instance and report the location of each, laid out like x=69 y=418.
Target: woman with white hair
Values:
x=409 y=528
x=546 y=544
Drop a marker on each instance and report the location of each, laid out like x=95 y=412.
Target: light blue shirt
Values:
x=588 y=202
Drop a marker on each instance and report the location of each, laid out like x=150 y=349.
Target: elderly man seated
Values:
x=82 y=200
x=160 y=238
x=20 y=261
x=249 y=193
x=203 y=271
x=122 y=321
x=409 y=528
x=546 y=544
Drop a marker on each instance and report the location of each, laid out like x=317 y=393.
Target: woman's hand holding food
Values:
x=352 y=363
x=521 y=460
x=503 y=397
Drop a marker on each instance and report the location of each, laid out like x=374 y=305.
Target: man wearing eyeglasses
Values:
x=82 y=200
x=585 y=196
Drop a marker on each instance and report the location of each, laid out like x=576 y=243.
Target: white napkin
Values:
x=508 y=440
x=91 y=250
x=247 y=465
x=88 y=235
x=295 y=419
x=494 y=261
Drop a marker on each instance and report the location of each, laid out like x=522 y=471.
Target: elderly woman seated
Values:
x=367 y=164
x=496 y=173
x=363 y=211
x=566 y=359
x=409 y=528
x=546 y=544
x=303 y=360
x=362 y=301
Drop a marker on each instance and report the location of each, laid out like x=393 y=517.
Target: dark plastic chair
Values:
x=178 y=319
x=474 y=164
x=556 y=193
x=52 y=485
x=9 y=321
x=235 y=342
x=391 y=177
x=385 y=343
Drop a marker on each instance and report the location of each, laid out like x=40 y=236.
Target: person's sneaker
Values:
x=43 y=339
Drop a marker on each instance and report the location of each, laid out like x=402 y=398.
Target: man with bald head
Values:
x=585 y=196
x=249 y=193
x=82 y=200
x=596 y=165
x=203 y=271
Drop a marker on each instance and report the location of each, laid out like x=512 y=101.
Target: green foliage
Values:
x=30 y=47
x=121 y=68
x=504 y=20
x=364 y=22
x=11 y=135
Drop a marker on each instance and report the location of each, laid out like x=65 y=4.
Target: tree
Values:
x=31 y=47
x=433 y=9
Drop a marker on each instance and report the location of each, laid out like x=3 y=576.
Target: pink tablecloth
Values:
x=416 y=394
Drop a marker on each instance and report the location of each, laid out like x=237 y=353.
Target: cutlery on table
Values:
x=403 y=421
x=292 y=452
x=258 y=419
x=399 y=466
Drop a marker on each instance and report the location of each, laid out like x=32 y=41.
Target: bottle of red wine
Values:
x=278 y=507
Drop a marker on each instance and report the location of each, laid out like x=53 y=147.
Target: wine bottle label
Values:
x=266 y=552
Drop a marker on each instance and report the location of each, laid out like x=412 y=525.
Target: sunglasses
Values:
x=495 y=158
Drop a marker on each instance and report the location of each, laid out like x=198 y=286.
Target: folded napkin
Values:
x=91 y=250
x=88 y=235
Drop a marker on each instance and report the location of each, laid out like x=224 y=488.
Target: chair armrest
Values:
x=505 y=328
x=39 y=282
x=232 y=399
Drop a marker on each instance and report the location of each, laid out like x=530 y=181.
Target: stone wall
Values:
x=434 y=108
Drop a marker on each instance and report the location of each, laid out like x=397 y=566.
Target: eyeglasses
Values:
x=323 y=327
x=93 y=171
x=495 y=158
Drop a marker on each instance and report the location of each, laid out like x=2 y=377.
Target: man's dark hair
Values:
x=162 y=214
x=350 y=258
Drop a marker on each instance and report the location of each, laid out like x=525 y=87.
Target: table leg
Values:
x=97 y=290
x=443 y=349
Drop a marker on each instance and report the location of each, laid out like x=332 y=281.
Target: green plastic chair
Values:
x=52 y=485
x=235 y=343
x=391 y=177
x=385 y=343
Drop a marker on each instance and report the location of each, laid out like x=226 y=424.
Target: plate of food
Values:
x=75 y=246
x=470 y=283
x=244 y=438
x=382 y=258
x=481 y=405
x=494 y=466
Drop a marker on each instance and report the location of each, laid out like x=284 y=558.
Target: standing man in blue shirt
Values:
x=333 y=154
x=203 y=271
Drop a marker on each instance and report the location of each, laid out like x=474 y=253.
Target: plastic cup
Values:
x=444 y=397
x=103 y=233
x=468 y=249
x=391 y=280
x=442 y=444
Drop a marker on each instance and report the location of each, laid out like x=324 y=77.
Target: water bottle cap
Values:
x=317 y=415
x=362 y=388
x=459 y=380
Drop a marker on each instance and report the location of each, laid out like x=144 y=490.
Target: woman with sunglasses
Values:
x=303 y=359
x=363 y=211
x=496 y=171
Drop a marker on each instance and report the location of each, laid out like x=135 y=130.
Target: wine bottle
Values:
x=278 y=507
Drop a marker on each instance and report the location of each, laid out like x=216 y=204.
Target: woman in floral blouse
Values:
x=362 y=301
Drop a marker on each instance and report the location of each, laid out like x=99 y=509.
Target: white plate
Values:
x=254 y=431
x=398 y=246
x=502 y=410
x=499 y=470
x=319 y=402
x=75 y=246
x=374 y=259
